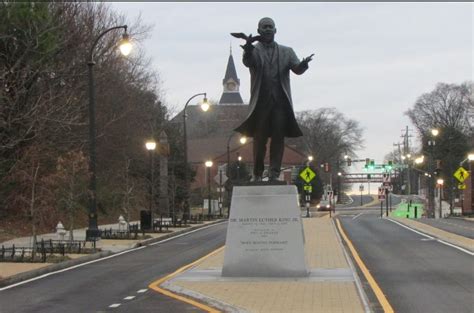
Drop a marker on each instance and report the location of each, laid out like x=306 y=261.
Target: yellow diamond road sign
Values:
x=307 y=174
x=461 y=174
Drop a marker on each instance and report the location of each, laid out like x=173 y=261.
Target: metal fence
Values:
x=43 y=249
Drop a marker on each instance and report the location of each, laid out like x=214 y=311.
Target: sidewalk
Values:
x=19 y=271
x=331 y=287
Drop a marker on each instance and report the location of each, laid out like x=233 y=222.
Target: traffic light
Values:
x=327 y=168
x=390 y=165
x=367 y=163
x=372 y=164
x=349 y=161
x=368 y=176
x=439 y=167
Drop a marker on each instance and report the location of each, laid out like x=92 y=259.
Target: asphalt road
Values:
x=453 y=225
x=97 y=286
x=415 y=274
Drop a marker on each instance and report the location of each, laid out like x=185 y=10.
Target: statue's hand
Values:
x=308 y=59
x=248 y=39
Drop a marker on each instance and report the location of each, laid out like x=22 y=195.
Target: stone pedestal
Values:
x=265 y=233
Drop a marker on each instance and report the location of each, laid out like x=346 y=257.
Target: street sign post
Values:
x=219 y=180
x=381 y=193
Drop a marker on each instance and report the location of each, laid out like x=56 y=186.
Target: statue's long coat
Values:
x=287 y=60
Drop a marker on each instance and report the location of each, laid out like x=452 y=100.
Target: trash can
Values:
x=145 y=220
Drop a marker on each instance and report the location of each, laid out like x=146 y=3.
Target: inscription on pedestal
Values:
x=265 y=235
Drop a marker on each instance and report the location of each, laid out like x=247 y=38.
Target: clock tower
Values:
x=231 y=84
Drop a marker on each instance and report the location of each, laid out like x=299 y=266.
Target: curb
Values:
x=62 y=265
x=437 y=236
x=51 y=268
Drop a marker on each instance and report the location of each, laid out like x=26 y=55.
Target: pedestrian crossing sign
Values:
x=461 y=174
x=307 y=174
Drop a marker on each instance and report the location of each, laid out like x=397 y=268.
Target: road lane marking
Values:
x=184 y=234
x=115 y=305
x=360 y=289
x=413 y=230
x=357 y=216
x=156 y=284
x=101 y=259
x=456 y=247
x=430 y=237
x=71 y=268
x=373 y=284
x=142 y=290
x=129 y=298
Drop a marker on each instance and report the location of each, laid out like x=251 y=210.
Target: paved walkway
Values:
x=331 y=286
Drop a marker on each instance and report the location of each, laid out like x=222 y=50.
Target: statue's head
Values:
x=266 y=29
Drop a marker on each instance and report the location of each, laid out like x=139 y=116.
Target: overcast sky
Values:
x=372 y=60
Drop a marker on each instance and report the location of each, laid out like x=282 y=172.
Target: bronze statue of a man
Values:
x=271 y=109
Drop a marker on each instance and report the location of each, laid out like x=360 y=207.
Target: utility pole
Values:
x=406 y=151
x=398 y=169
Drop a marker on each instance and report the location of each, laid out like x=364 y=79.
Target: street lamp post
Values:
x=92 y=231
x=208 y=167
x=150 y=146
x=204 y=107
x=431 y=182
x=440 y=183
x=242 y=140
x=339 y=174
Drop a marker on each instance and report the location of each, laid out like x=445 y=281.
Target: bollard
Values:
x=122 y=223
x=60 y=230
x=416 y=211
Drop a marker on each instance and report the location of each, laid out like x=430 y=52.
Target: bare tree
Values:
x=447 y=106
x=328 y=134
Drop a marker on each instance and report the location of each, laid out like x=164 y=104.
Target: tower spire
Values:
x=231 y=83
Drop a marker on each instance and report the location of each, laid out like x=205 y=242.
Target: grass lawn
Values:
x=402 y=210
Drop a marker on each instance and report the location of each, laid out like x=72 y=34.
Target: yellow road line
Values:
x=375 y=287
x=156 y=284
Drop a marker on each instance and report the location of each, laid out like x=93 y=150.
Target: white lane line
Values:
x=101 y=259
x=70 y=268
x=142 y=290
x=129 y=298
x=413 y=230
x=438 y=240
x=115 y=305
x=454 y=246
x=190 y=232
x=357 y=216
